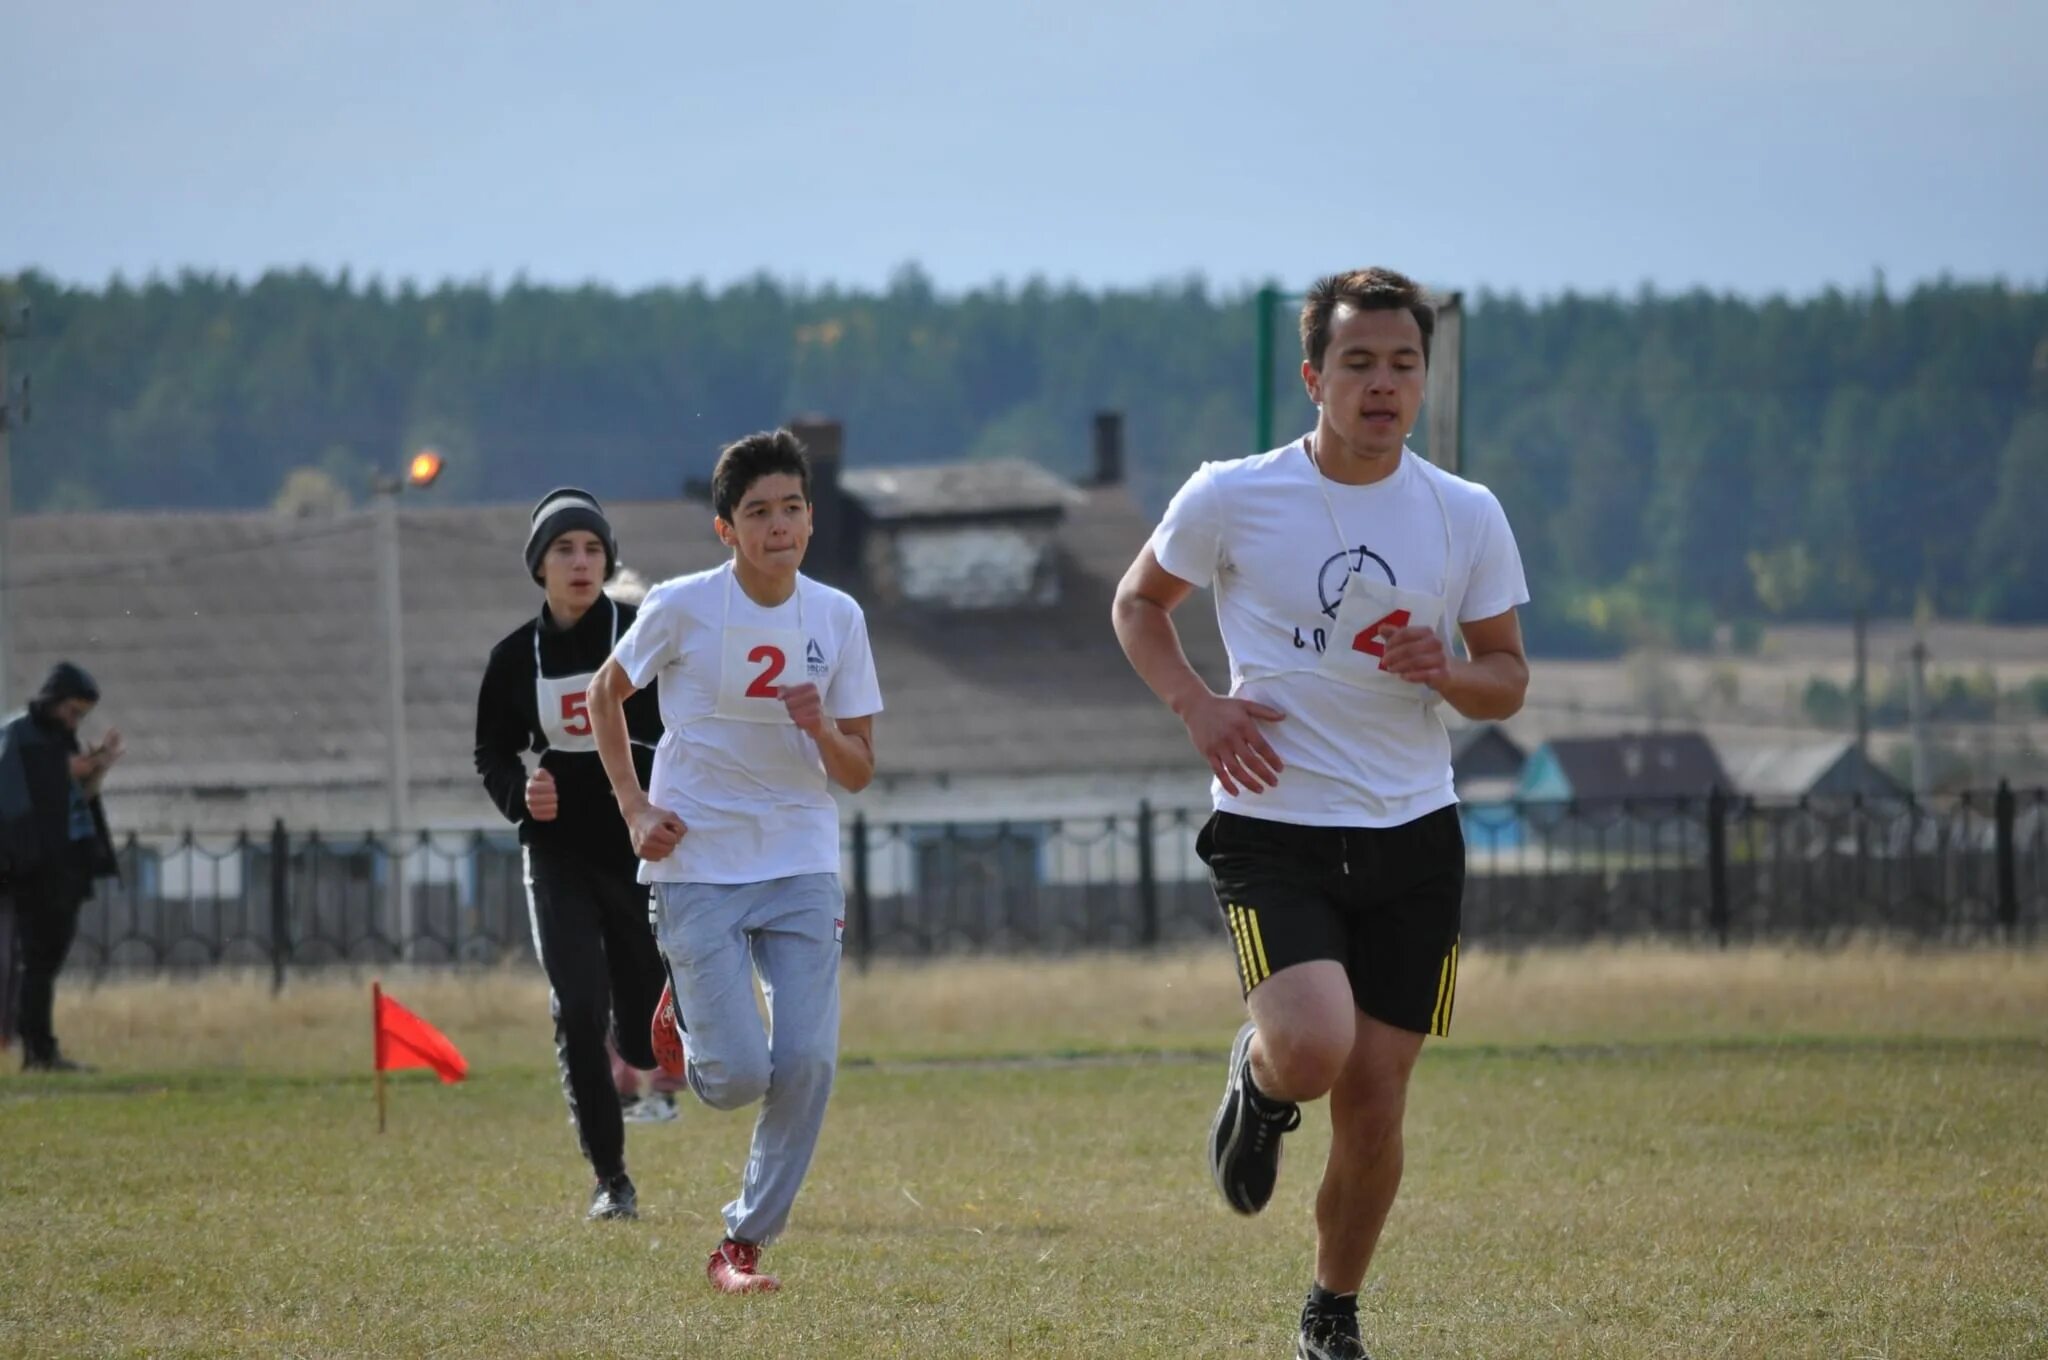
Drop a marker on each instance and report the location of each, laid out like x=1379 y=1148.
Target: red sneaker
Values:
x=735 y=1269
x=667 y=1035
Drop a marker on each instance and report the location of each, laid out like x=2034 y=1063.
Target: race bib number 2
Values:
x=772 y=662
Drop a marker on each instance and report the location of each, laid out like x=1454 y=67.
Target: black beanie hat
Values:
x=561 y=510
x=67 y=681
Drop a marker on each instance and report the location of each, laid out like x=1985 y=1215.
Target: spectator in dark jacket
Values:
x=55 y=848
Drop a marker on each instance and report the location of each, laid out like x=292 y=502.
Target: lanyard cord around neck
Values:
x=732 y=575
x=1344 y=543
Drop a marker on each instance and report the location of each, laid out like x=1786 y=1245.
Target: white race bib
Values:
x=755 y=665
x=562 y=702
x=1356 y=653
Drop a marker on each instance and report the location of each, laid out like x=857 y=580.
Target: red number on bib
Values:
x=1368 y=639
x=576 y=714
x=764 y=683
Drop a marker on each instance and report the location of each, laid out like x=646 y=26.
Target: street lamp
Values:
x=421 y=472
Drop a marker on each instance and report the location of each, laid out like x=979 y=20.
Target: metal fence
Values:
x=1716 y=869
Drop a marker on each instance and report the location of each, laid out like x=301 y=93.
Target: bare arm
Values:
x=1225 y=730
x=1490 y=687
x=655 y=831
x=1143 y=617
x=609 y=690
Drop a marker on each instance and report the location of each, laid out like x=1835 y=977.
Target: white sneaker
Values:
x=654 y=1109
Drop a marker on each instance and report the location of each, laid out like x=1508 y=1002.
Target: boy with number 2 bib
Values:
x=768 y=696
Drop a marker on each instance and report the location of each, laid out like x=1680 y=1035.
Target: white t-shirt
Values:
x=753 y=795
x=1259 y=531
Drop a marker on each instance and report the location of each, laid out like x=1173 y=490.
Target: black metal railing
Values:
x=1972 y=868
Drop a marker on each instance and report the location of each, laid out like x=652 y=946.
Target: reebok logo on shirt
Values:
x=814 y=659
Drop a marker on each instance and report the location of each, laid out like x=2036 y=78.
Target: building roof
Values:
x=995 y=486
x=1489 y=741
x=240 y=650
x=1781 y=770
x=1651 y=765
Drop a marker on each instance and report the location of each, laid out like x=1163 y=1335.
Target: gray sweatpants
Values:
x=715 y=937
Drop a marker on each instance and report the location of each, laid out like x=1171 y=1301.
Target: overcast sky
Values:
x=1753 y=145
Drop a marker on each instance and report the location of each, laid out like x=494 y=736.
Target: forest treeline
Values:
x=1670 y=463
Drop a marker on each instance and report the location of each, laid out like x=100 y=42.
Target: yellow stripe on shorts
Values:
x=1252 y=966
x=1251 y=919
x=1237 y=940
x=1446 y=993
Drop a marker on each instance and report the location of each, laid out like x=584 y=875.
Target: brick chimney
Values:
x=1109 y=448
x=832 y=537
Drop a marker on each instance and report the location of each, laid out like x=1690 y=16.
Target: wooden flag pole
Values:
x=377 y=1045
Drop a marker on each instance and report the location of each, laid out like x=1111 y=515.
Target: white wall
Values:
x=969 y=566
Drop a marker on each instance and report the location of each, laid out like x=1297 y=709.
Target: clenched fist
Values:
x=656 y=832
x=806 y=707
x=542 y=802
x=1415 y=654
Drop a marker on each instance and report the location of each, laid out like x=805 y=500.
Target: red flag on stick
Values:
x=405 y=1040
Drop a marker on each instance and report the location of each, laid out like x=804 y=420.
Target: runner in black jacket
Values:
x=588 y=910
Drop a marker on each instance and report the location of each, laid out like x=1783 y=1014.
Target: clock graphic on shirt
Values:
x=1338 y=568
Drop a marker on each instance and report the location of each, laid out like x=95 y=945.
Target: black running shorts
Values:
x=1382 y=901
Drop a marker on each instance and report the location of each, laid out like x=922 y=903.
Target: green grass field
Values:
x=1619 y=1153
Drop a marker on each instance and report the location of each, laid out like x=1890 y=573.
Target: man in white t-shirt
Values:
x=1340 y=565
x=768 y=693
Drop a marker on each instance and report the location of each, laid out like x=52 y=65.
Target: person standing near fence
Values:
x=1339 y=564
x=768 y=696
x=56 y=843
x=588 y=909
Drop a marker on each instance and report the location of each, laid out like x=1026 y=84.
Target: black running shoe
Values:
x=1244 y=1138
x=1330 y=1332
x=614 y=1198
x=53 y=1062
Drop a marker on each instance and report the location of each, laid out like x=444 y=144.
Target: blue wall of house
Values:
x=1491 y=827
x=1543 y=779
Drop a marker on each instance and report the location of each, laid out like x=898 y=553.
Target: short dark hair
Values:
x=1368 y=290
x=746 y=461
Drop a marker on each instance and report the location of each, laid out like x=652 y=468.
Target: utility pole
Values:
x=1862 y=685
x=1446 y=381
x=1916 y=695
x=385 y=488
x=10 y=415
x=1268 y=302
